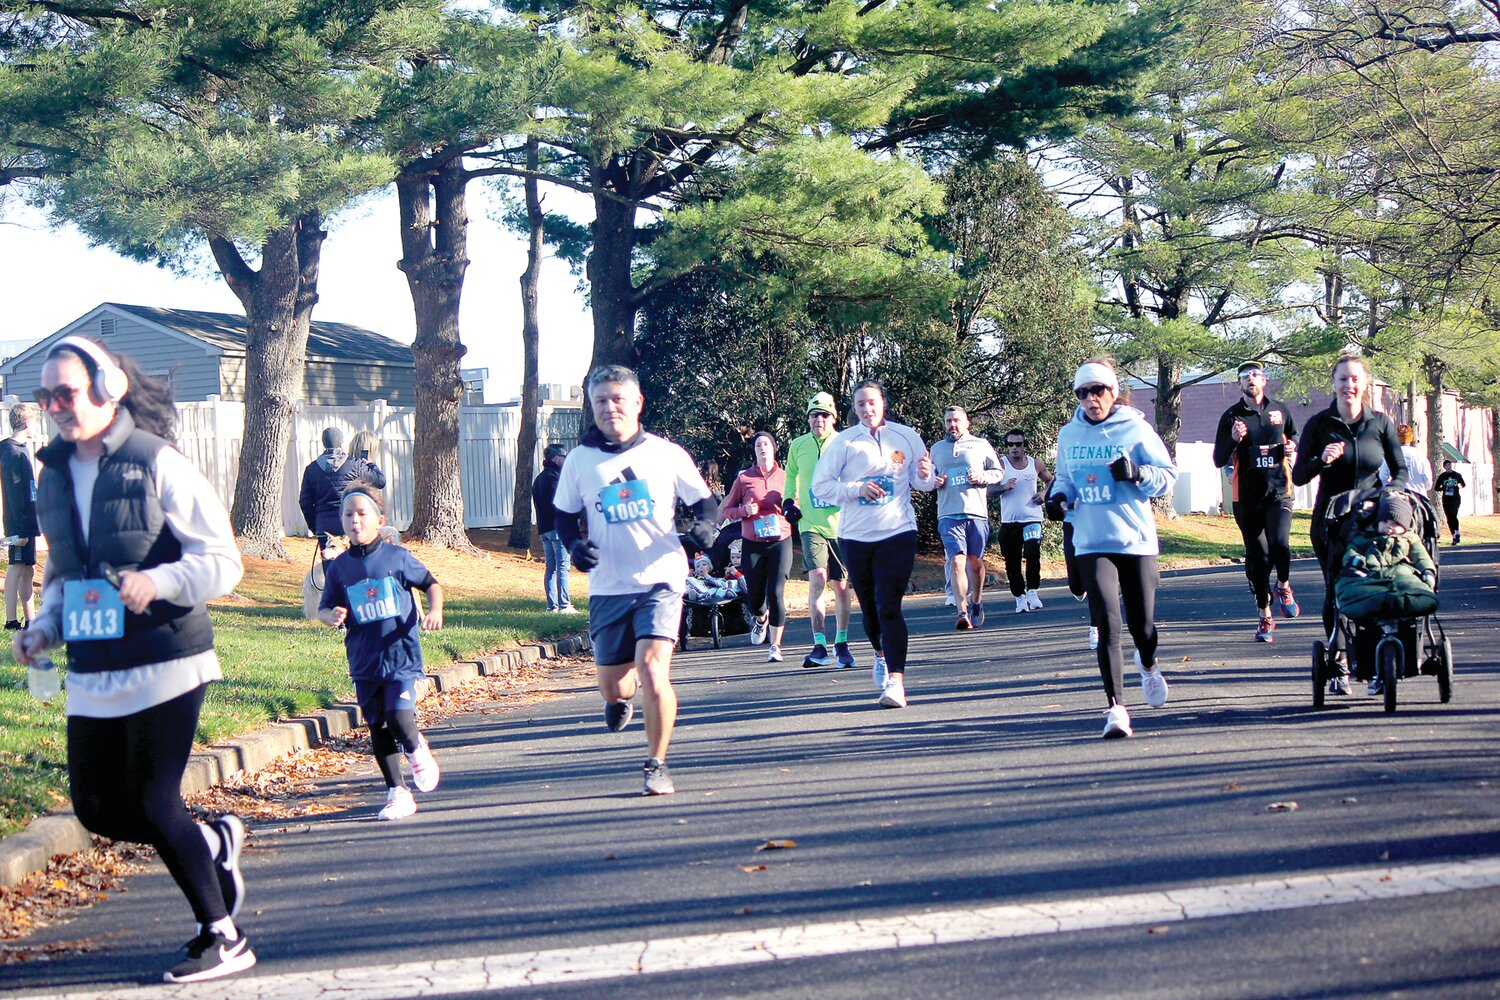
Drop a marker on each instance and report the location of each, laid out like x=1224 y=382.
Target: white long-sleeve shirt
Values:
x=887 y=455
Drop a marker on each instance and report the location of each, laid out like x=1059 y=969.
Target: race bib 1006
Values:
x=767 y=527
x=1095 y=484
x=92 y=610
x=372 y=601
x=626 y=502
x=887 y=483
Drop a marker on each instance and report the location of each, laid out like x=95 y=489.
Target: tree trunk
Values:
x=1168 y=419
x=278 y=301
x=1436 y=369
x=434 y=259
x=612 y=292
x=520 y=519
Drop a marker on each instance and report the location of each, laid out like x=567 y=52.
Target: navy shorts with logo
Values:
x=618 y=621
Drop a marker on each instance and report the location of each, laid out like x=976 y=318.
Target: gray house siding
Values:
x=191 y=365
x=331 y=383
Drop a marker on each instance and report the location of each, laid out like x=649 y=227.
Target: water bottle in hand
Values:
x=42 y=679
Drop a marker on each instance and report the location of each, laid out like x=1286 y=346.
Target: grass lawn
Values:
x=278 y=664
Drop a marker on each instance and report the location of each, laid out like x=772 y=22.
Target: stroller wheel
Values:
x=1445 y=671
x=1388 y=657
x=1318 y=678
x=714 y=618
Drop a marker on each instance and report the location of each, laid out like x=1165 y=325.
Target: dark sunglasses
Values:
x=1091 y=390
x=1015 y=444
x=65 y=396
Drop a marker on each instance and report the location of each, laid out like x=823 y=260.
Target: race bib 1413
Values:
x=92 y=609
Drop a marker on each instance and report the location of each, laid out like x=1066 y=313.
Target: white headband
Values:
x=1094 y=373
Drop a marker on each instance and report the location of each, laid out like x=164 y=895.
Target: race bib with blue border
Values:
x=887 y=483
x=625 y=502
x=92 y=609
x=1031 y=533
x=766 y=527
x=372 y=601
x=1095 y=485
x=958 y=477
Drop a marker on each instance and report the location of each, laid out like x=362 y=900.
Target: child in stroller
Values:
x=1386 y=591
x=710 y=591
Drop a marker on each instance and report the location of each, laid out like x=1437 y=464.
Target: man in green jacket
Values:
x=818 y=524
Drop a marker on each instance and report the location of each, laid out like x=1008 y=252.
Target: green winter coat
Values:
x=1385 y=576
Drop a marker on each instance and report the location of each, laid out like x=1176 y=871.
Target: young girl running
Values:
x=369 y=592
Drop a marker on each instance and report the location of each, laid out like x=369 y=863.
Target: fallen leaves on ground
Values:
x=284 y=789
x=1283 y=807
x=776 y=845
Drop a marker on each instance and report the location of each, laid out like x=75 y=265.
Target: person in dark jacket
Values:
x=18 y=493
x=327 y=478
x=1450 y=486
x=1343 y=448
x=138 y=542
x=543 y=489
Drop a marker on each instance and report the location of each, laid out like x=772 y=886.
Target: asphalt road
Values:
x=992 y=788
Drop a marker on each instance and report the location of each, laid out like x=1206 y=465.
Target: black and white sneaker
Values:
x=231 y=836
x=617 y=714
x=658 y=778
x=211 y=955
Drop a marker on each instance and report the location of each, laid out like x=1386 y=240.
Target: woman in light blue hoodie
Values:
x=1110 y=463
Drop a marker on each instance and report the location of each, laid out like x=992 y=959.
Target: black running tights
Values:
x=392 y=733
x=767 y=564
x=1266 y=527
x=1070 y=560
x=879 y=572
x=1018 y=553
x=1110 y=576
x=126 y=778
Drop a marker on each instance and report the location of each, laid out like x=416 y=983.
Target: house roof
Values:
x=325 y=341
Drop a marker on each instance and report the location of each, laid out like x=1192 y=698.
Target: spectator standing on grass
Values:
x=18 y=493
x=327 y=477
x=138 y=542
x=369 y=593
x=627 y=484
x=554 y=553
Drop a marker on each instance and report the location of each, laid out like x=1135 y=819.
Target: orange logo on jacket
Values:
x=898 y=457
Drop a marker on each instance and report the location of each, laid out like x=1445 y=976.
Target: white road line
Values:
x=491 y=973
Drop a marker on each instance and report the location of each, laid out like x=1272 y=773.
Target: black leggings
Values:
x=391 y=734
x=126 y=781
x=1108 y=577
x=1016 y=550
x=1450 y=511
x=766 y=565
x=1266 y=526
x=1330 y=609
x=1070 y=560
x=879 y=572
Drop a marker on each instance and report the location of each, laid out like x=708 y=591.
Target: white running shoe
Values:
x=424 y=767
x=774 y=655
x=759 y=629
x=948 y=603
x=1117 y=723
x=1022 y=605
x=1093 y=637
x=1033 y=601
x=878 y=673
x=1153 y=684
x=398 y=805
x=893 y=693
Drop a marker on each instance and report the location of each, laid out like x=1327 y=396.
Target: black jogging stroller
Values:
x=1389 y=628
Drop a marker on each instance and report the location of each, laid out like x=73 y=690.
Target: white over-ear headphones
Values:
x=110 y=383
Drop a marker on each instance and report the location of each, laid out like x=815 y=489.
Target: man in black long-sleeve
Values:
x=1450 y=486
x=18 y=494
x=1256 y=439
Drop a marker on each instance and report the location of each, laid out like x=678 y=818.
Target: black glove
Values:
x=701 y=534
x=1124 y=470
x=791 y=511
x=585 y=555
x=1055 y=509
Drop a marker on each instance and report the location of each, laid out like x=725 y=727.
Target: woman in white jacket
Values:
x=869 y=470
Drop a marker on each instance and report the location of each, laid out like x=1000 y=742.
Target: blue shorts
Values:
x=963 y=535
x=618 y=621
x=388 y=695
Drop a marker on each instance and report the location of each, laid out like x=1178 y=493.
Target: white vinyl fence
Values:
x=210 y=433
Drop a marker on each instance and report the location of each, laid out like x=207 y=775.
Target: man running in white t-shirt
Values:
x=628 y=482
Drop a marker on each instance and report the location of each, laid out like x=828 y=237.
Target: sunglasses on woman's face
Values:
x=1091 y=390
x=65 y=396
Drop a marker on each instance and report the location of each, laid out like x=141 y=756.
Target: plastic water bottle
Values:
x=42 y=679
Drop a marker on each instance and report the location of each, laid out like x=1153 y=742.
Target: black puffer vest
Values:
x=127 y=530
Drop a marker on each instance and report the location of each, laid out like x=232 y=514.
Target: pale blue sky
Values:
x=51 y=276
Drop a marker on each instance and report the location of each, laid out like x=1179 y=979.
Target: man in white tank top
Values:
x=1023 y=483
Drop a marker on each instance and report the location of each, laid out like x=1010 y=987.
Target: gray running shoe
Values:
x=658 y=778
x=976 y=615
x=617 y=715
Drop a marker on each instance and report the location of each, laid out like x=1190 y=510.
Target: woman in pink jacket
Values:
x=766 y=550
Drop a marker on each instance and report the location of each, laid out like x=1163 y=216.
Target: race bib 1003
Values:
x=887 y=483
x=1095 y=484
x=372 y=601
x=92 y=610
x=626 y=502
x=767 y=527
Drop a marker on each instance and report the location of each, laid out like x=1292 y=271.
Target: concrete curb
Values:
x=60 y=833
